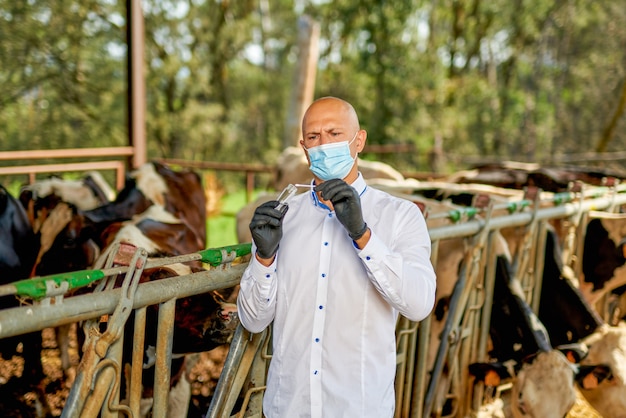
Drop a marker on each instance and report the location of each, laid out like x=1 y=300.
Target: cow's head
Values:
x=602 y=376
x=544 y=388
x=543 y=384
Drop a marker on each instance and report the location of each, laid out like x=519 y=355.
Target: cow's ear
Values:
x=490 y=373
x=590 y=376
x=574 y=352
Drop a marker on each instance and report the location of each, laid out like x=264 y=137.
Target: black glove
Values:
x=347 y=205
x=266 y=227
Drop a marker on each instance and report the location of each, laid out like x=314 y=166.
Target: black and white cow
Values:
x=17 y=241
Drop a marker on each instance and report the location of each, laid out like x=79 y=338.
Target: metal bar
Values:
x=31 y=170
x=136 y=368
x=243 y=350
x=252 y=407
x=66 y=153
x=162 y=367
x=408 y=383
x=540 y=255
x=110 y=408
x=40 y=287
x=24 y=319
x=455 y=301
x=214 y=256
x=419 y=385
x=218 y=165
x=470 y=228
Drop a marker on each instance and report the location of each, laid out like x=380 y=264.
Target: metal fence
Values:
x=421 y=388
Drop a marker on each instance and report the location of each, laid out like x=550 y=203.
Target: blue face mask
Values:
x=331 y=161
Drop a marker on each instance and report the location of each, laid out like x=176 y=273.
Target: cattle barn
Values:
x=514 y=251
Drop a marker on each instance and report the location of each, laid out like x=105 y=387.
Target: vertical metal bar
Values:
x=243 y=351
x=485 y=319
x=419 y=385
x=257 y=379
x=162 y=372
x=402 y=353
x=410 y=362
x=135 y=384
x=114 y=353
x=96 y=401
x=540 y=254
x=581 y=232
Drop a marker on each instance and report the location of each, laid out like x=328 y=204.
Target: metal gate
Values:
x=242 y=381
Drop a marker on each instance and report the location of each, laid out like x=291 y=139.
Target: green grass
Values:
x=222 y=229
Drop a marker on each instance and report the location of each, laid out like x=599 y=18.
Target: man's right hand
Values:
x=267 y=228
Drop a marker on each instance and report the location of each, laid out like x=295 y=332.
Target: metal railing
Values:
x=421 y=388
x=110 y=158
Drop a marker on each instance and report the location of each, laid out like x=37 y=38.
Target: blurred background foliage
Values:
x=461 y=80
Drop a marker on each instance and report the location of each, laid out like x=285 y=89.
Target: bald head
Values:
x=331 y=120
x=330 y=108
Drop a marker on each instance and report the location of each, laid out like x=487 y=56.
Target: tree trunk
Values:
x=609 y=131
x=304 y=80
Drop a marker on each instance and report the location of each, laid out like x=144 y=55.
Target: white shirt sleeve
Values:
x=403 y=274
x=256 y=301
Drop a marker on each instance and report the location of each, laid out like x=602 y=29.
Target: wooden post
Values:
x=136 y=82
x=304 y=79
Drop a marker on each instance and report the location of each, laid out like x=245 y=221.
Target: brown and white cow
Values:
x=202 y=322
x=518 y=337
x=542 y=376
x=161 y=210
x=602 y=378
x=570 y=313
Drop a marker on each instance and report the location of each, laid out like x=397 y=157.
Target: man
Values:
x=332 y=272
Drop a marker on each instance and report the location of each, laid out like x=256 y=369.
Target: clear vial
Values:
x=287 y=192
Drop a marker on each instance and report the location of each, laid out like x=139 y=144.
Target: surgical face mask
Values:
x=333 y=160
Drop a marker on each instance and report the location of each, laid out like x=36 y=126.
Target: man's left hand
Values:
x=347 y=205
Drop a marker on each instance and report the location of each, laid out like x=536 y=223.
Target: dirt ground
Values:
x=16 y=401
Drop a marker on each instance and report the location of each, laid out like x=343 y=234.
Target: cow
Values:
x=162 y=211
x=178 y=192
x=166 y=209
x=522 y=350
x=17 y=240
x=52 y=206
x=517 y=175
x=71 y=229
x=543 y=377
x=568 y=313
x=602 y=378
x=201 y=323
x=16 y=260
x=604 y=264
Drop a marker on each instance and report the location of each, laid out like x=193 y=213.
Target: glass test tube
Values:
x=287 y=192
